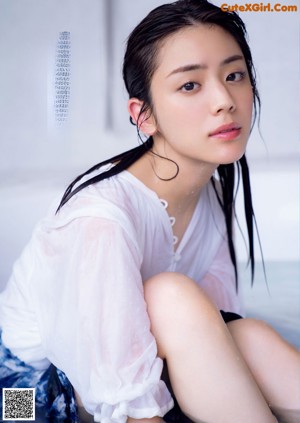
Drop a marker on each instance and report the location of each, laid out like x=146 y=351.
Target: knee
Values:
x=160 y=287
x=174 y=303
x=253 y=333
x=172 y=290
x=250 y=327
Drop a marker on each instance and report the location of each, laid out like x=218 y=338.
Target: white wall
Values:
x=29 y=31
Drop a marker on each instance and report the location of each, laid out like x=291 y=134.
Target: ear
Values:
x=145 y=122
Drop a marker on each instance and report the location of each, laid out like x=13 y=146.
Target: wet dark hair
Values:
x=140 y=63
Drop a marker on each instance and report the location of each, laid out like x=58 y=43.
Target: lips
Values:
x=226 y=129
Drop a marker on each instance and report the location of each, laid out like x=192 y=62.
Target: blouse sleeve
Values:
x=93 y=319
x=219 y=282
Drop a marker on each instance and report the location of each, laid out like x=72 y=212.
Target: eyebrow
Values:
x=192 y=67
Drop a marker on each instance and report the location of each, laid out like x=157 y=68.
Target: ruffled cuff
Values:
x=155 y=402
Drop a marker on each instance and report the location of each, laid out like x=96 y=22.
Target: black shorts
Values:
x=229 y=317
x=176 y=415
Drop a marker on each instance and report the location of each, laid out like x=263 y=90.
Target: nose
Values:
x=221 y=99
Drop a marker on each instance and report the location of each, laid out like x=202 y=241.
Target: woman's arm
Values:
x=85 y=417
x=87 y=279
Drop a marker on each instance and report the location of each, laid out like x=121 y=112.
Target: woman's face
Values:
x=202 y=96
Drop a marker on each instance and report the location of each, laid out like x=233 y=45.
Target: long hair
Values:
x=140 y=63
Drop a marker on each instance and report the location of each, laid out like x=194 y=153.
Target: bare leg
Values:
x=274 y=363
x=210 y=379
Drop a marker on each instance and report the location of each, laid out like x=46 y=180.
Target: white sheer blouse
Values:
x=75 y=297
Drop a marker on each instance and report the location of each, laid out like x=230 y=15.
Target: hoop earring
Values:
x=170 y=160
x=158 y=155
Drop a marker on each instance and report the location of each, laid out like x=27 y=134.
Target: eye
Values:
x=189 y=86
x=236 y=76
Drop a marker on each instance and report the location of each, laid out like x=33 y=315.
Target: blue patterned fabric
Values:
x=54 y=394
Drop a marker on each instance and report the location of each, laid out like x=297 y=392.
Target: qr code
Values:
x=19 y=404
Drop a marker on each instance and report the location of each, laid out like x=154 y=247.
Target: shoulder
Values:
x=115 y=202
x=87 y=224
x=209 y=212
x=108 y=199
x=212 y=199
x=214 y=189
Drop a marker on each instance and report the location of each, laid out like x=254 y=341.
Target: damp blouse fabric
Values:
x=75 y=298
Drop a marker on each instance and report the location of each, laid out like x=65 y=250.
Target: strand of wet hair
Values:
x=123 y=161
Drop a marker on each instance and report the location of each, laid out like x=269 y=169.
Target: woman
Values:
x=118 y=295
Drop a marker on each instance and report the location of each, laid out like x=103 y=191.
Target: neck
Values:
x=182 y=192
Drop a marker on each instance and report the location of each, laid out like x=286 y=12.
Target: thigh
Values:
x=254 y=336
x=176 y=415
x=274 y=363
